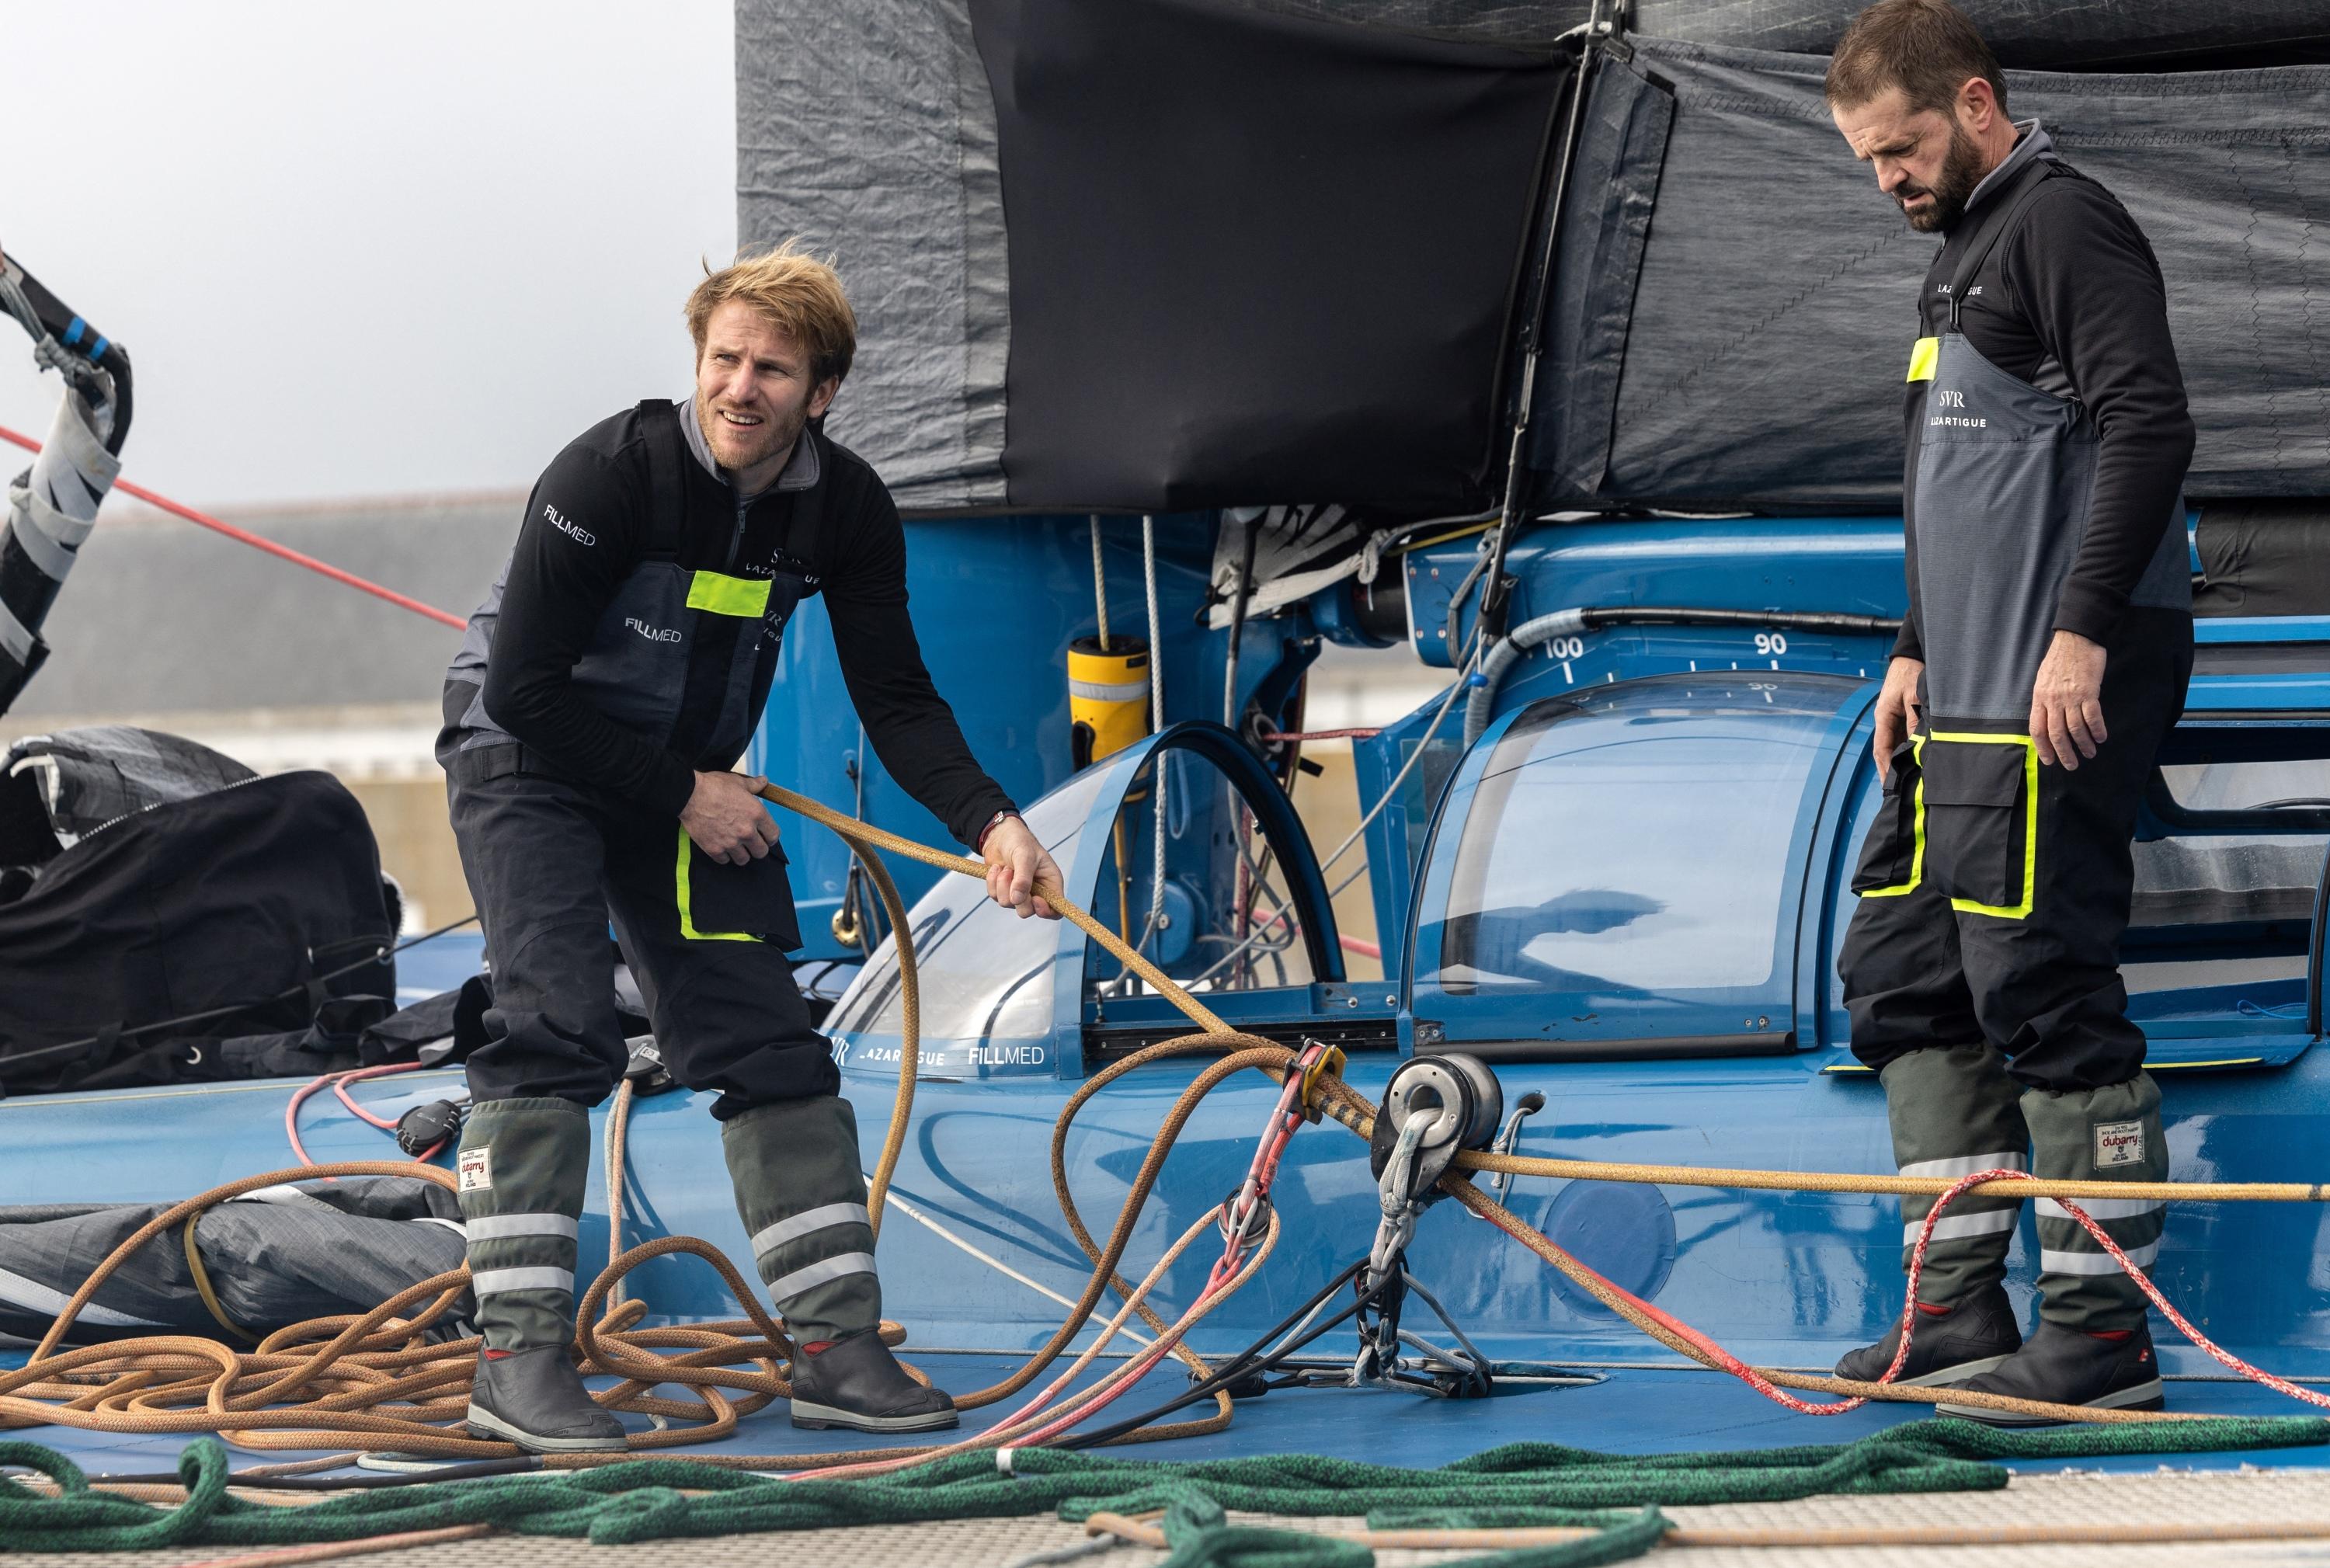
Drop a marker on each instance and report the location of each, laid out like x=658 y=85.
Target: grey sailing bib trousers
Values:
x=1981 y=970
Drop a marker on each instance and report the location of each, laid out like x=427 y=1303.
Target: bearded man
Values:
x=2044 y=658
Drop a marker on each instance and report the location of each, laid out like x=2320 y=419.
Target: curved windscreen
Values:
x=1631 y=856
x=984 y=972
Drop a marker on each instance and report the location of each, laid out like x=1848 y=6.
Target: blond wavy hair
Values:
x=798 y=292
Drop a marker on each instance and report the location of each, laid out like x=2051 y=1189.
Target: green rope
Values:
x=1519 y=1485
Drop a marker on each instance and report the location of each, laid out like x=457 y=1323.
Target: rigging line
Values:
x=244 y=536
x=1156 y=723
x=1464 y=669
x=1099 y=588
x=1000 y=1267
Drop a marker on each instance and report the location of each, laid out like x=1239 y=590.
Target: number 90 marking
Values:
x=1771 y=642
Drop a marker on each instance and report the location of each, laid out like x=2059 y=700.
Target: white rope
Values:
x=1100 y=589
x=1264 y=936
x=891 y=1200
x=1156 y=722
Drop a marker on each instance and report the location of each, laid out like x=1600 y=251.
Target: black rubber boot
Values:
x=534 y=1398
x=1977 y=1334
x=2064 y=1367
x=856 y=1383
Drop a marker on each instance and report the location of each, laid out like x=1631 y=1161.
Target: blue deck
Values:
x=1633 y=1410
x=1784 y=1279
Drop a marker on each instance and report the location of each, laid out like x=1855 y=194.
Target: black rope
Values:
x=212 y=1015
x=1249 y=1361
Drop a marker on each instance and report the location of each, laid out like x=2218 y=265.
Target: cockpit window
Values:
x=1638 y=843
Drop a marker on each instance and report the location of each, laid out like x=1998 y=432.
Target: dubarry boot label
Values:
x=2117 y=1143
x=477 y=1168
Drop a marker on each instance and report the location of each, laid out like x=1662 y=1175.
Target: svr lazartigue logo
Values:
x=652 y=633
x=1949 y=398
x=581 y=535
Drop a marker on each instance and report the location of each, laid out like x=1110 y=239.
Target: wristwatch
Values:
x=994 y=822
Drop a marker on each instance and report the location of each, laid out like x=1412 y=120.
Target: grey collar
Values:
x=2033 y=142
x=801 y=469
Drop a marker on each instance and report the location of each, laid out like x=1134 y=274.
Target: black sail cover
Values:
x=1737 y=300
x=1163 y=254
x=1153 y=253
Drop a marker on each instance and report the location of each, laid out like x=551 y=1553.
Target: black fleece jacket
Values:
x=560 y=579
x=2072 y=303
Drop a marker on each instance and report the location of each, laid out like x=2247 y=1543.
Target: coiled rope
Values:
x=375 y=1380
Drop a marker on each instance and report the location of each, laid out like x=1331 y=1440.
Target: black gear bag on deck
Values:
x=240 y=897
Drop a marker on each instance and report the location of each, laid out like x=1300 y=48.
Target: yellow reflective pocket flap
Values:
x=1922 y=356
x=718 y=593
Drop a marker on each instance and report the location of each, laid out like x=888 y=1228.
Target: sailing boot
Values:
x=2093 y=1346
x=802 y=1198
x=1951 y=1344
x=1954 y=1112
x=523 y=1166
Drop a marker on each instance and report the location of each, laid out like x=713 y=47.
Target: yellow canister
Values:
x=1108 y=695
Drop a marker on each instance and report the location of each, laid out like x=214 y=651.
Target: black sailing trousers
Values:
x=548 y=864
x=1984 y=919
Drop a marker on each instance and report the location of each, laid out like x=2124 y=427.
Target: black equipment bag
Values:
x=243 y=900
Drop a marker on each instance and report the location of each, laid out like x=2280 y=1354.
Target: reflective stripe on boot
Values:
x=2108 y=1134
x=522 y=1168
x=1954 y=1112
x=801 y=1196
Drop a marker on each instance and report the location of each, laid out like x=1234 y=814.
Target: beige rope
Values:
x=1142 y=1533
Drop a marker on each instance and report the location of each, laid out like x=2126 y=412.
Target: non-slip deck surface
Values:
x=2240 y=1496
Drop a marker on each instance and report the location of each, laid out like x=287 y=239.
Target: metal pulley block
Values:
x=1458 y=1103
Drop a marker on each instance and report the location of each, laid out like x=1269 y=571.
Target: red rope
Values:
x=336 y=1083
x=1755 y=1380
x=245 y=536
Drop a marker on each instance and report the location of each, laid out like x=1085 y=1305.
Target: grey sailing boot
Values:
x=523 y=1165
x=802 y=1198
x=1954 y=1112
x=2093 y=1347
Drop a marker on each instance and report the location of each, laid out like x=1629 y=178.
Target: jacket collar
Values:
x=802 y=470
x=2032 y=143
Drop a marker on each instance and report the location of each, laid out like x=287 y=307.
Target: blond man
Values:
x=604 y=692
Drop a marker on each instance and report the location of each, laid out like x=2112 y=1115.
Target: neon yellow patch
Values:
x=2019 y=911
x=717 y=593
x=1922 y=356
x=1918 y=843
x=686 y=914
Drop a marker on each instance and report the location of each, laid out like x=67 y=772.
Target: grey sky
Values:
x=365 y=250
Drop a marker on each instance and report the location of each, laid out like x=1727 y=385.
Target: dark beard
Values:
x=1962 y=171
